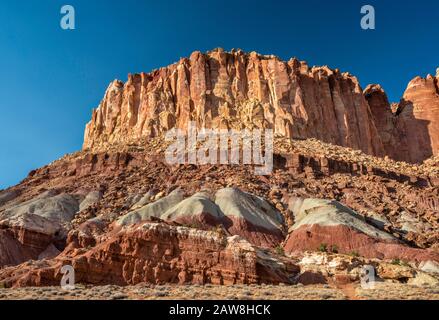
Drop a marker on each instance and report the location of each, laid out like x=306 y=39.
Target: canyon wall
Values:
x=236 y=90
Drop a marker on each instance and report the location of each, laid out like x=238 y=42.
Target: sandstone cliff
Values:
x=237 y=90
x=411 y=131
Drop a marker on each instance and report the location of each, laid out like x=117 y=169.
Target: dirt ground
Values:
x=381 y=291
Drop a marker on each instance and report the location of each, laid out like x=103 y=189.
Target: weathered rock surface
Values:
x=236 y=90
x=133 y=181
x=411 y=131
x=121 y=215
x=32 y=228
x=157 y=253
x=418 y=119
x=329 y=226
x=238 y=212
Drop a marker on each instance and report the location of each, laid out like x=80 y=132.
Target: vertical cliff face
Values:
x=418 y=119
x=384 y=119
x=411 y=131
x=237 y=90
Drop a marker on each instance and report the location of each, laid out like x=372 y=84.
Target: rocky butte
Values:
x=121 y=215
x=236 y=90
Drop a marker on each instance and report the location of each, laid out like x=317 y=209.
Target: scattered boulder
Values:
x=429 y=267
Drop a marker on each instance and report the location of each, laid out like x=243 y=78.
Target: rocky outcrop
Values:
x=411 y=131
x=38 y=227
x=418 y=119
x=384 y=119
x=157 y=253
x=236 y=90
x=238 y=212
x=329 y=226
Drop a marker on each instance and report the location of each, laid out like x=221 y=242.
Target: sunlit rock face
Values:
x=237 y=90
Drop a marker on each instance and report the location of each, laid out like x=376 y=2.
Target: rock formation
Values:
x=329 y=226
x=157 y=253
x=411 y=131
x=239 y=213
x=235 y=90
x=120 y=214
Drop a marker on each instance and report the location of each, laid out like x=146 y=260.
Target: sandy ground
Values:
x=238 y=292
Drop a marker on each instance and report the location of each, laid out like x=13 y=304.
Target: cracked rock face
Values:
x=158 y=253
x=237 y=90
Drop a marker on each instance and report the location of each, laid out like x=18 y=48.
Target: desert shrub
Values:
x=323 y=247
x=354 y=253
x=396 y=262
x=280 y=250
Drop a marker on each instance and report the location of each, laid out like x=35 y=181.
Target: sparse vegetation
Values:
x=396 y=262
x=280 y=250
x=334 y=249
x=354 y=253
x=323 y=247
x=400 y=262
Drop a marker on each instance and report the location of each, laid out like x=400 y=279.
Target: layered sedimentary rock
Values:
x=237 y=212
x=87 y=194
x=329 y=226
x=418 y=120
x=409 y=132
x=384 y=119
x=157 y=253
x=237 y=90
x=37 y=228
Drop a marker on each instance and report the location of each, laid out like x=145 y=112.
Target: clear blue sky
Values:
x=50 y=79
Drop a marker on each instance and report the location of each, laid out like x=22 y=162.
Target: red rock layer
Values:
x=418 y=120
x=12 y=251
x=154 y=253
x=348 y=241
x=19 y=244
x=411 y=132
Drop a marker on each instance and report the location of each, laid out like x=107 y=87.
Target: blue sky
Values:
x=50 y=78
